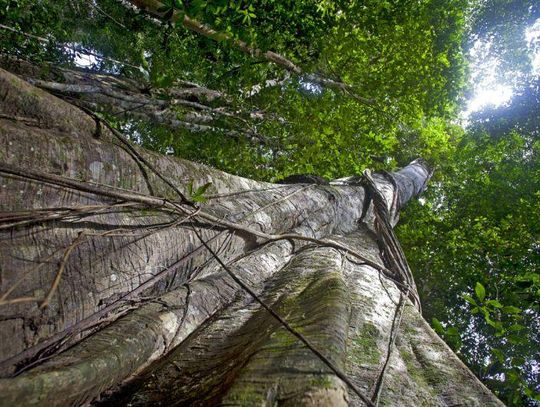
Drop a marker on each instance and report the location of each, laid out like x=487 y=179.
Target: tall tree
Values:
x=234 y=292
x=320 y=87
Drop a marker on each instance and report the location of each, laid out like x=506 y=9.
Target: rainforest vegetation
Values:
x=271 y=88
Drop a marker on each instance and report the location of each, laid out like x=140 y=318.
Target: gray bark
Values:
x=144 y=315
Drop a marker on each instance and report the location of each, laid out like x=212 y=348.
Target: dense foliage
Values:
x=404 y=56
x=473 y=240
x=474 y=247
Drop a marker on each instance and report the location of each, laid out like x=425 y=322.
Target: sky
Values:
x=532 y=35
x=84 y=60
x=487 y=90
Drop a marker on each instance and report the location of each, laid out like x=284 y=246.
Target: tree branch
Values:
x=152 y=7
x=123 y=96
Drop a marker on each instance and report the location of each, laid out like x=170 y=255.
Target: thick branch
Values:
x=173 y=108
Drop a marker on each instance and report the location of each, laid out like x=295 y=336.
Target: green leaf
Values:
x=498 y=354
x=518 y=361
x=469 y=299
x=510 y=309
x=495 y=324
x=480 y=291
x=437 y=326
x=198 y=194
x=453 y=331
x=494 y=303
x=517 y=339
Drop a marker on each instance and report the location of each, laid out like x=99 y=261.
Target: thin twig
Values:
x=19 y=300
x=246 y=191
x=283 y=199
x=96 y=318
x=24 y=275
x=148 y=230
x=25 y=218
x=27 y=120
x=93 y=188
x=93 y=4
x=134 y=151
x=394 y=330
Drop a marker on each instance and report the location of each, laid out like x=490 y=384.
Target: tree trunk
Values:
x=113 y=288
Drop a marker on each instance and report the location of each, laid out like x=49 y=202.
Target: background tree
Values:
x=351 y=43
x=483 y=215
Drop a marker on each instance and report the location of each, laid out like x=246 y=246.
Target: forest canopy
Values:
x=267 y=89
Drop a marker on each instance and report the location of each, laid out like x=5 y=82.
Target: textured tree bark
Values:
x=143 y=314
